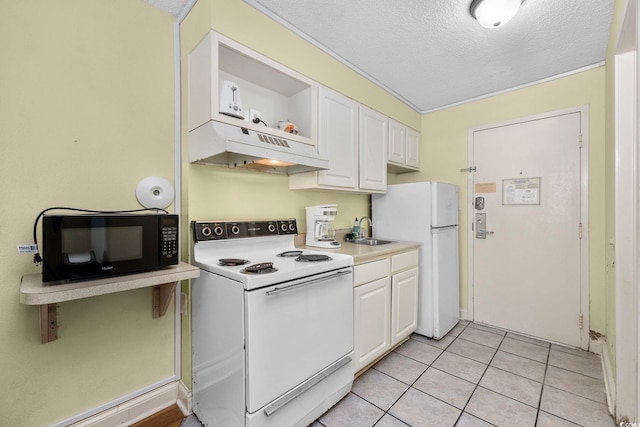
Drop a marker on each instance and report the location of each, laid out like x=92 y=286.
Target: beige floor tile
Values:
x=378 y=388
x=527 y=339
x=583 y=365
x=519 y=365
x=401 y=367
x=460 y=366
x=442 y=343
x=575 y=383
x=389 y=421
x=419 y=351
x=446 y=387
x=548 y=420
x=457 y=329
x=516 y=387
x=486 y=328
x=525 y=349
x=472 y=350
x=480 y=336
x=574 y=351
x=468 y=420
x=500 y=410
x=419 y=409
x=352 y=411
x=574 y=408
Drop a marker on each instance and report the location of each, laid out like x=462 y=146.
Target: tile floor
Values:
x=476 y=376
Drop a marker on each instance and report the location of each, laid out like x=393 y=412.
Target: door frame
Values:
x=584 y=209
x=627 y=224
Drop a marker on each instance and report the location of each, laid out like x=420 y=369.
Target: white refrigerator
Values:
x=426 y=212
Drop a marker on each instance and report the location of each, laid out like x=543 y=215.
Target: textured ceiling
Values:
x=432 y=53
x=173 y=7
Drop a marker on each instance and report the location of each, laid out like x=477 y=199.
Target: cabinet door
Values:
x=373 y=150
x=397 y=136
x=372 y=321
x=404 y=304
x=413 y=148
x=338 y=139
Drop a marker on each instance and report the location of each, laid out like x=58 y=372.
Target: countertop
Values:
x=365 y=253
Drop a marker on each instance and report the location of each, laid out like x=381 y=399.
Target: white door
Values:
x=338 y=138
x=397 y=142
x=404 y=304
x=293 y=331
x=527 y=266
x=373 y=138
x=445 y=279
x=444 y=204
x=413 y=148
x=372 y=321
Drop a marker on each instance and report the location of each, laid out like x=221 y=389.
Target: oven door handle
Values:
x=278 y=290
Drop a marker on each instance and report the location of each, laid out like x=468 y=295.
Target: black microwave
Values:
x=83 y=247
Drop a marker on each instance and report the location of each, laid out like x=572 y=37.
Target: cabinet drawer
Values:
x=364 y=273
x=404 y=260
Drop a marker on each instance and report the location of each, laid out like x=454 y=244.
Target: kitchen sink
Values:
x=371 y=242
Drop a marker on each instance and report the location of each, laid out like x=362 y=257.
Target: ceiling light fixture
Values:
x=494 y=13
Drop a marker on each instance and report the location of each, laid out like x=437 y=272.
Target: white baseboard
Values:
x=463 y=315
x=141 y=407
x=609 y=377
x=184 y=400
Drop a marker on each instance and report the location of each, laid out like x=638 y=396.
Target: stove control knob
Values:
x=283 y=226
x=271 y=228
x=206 y=231
x=292 y=227
x=235 y=229
x=217 y=230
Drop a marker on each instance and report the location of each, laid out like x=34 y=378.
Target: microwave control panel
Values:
x=169 y=241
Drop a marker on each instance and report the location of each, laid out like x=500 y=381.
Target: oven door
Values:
x=294 y=330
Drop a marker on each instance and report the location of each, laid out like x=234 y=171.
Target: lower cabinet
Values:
x=372 y=322
x=404 y=299
x=385 y=305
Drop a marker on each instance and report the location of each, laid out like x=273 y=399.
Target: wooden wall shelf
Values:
x=34 y=292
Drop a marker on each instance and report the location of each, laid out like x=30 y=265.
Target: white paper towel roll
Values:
x=155 y=192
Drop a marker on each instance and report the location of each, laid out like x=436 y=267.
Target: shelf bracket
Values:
x=162 y=297
x=48 y=322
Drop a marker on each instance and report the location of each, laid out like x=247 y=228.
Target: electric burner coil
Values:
x=313 y=258
x=230 y=262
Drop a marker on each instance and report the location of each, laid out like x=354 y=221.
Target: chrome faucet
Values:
x=362 y=234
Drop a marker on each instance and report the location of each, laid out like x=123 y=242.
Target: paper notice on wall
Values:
x=485 y=187
x=521 y=191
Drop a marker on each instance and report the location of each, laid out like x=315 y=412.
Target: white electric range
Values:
x=272 y=326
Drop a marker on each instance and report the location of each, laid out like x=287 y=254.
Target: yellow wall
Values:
x=87 y=112
x=445 y=152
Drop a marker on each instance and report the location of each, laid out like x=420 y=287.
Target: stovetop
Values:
x=266 y=246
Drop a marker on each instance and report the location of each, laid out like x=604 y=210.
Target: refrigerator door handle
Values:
x=443 y=229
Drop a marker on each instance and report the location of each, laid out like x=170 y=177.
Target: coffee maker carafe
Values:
x=320 y=231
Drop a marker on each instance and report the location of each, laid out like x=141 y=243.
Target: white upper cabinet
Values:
x=404 y=148
x=373 y=148
x=338 y=139
x=227 y=79
x=397 y=142
x=413 y=148
x=354 y=140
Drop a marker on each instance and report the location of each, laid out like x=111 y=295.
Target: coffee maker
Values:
x=320 y=231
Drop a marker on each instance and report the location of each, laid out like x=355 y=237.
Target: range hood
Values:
x=222 y=144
